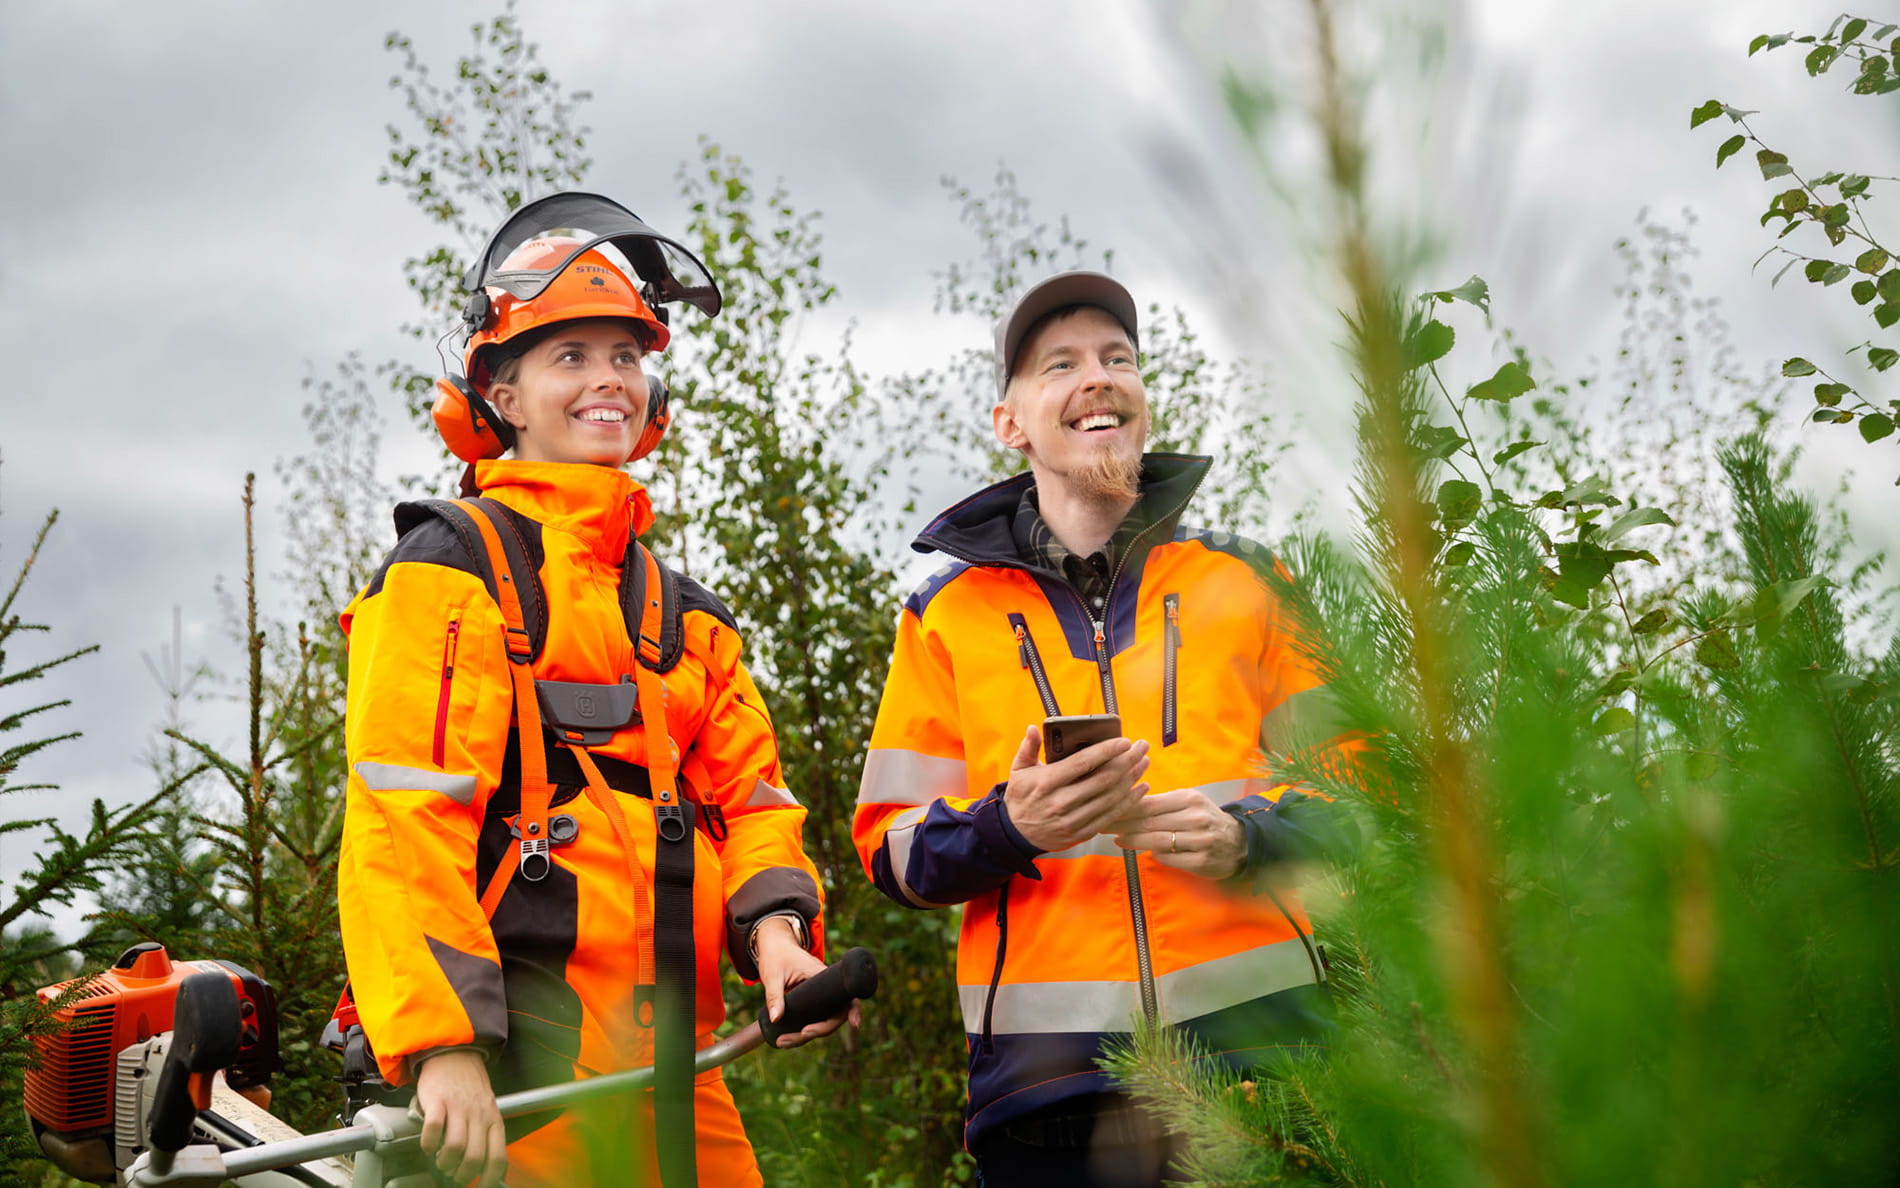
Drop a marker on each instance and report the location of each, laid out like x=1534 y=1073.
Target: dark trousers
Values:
x=1092 y=1142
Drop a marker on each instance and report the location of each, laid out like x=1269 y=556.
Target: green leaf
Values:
x=1614 y=720
x=1431 y=343
x=1791 y=200
x=1830 y=416
x=1705 y=113
x=1590 y=490
x=1459 y=554
x=1511 y=380
x=1875 y=426
x=1759 y=43
x=1472 y=292
x=1882 y=33
x=1836 y=273
x=1853 y=186
x=1797 y=366
x=1717 y=651
x=1653 y=622
x=1619 y=680
x=1871 y=261
x=1836 y=235
x=1778 y=600
x=1886 y=314
x=1772 y=163
x=1889 y=285
x=1513 y=450
x=1702 y=765
x=1852 y=30
x=1437 y=441
x=1820 y=58
x=1459 y=501
x=1830 y=394
x=1729 y=148
x=1814 y=270
x=1635 y=517
x=1882 y=358
x=1863 y=291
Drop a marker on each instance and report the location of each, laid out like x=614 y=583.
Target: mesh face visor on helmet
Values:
x=593 y=222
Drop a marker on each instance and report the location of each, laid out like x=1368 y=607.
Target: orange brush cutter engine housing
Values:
x=72 y=1089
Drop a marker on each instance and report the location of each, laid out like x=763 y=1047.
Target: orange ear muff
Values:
x=469 y=427
x=659 y=416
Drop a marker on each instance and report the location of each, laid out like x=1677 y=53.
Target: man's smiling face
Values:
x=1076 y=407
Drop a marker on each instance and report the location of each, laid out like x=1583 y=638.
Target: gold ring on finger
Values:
x=1172 y=847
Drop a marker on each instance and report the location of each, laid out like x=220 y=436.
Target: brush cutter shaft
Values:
x=387 y=1129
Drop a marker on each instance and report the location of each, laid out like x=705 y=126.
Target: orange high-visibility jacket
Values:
x=559 y=979
x=1060 y=951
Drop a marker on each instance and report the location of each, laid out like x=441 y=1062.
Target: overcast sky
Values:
x=190 y=225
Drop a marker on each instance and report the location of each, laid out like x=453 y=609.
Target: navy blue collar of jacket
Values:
x=979 y=529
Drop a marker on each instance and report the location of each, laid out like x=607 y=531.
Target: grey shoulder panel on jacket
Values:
x=933 y=585
x=1255 y=554
x=695 y=597
x=428 y=541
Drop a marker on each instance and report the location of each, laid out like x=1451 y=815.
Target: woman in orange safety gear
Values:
x=461 y=989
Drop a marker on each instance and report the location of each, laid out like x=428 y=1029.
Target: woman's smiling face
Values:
x=578 y=395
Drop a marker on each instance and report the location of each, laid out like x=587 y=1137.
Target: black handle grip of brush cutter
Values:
x=206 y=1030
x=825 y=995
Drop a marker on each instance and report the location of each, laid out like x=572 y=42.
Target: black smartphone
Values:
x=1064 y=736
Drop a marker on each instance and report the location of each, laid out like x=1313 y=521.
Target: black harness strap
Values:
x=673 y=959
x=649 y=601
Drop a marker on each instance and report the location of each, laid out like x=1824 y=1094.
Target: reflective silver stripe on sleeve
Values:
x=897 y=840
x=764 y=794
x=894 y=776
x=390 y=777
x=1309 y=716
x=1041 y=1008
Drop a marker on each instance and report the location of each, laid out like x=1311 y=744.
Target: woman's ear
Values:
x=507 y=402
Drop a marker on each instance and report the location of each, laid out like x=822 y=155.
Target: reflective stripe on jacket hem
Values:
x=1027 y=1008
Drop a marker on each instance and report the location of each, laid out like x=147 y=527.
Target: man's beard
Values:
x=1114 y=474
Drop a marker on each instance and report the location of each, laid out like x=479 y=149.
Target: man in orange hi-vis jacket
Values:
x=535 y=882
x=1137 y=877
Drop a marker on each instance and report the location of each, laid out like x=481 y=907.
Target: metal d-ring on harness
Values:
x=643 y=590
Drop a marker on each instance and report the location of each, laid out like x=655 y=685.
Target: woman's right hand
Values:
x=461 y=1128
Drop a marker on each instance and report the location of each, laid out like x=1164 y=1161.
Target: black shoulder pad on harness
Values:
x=527 y=576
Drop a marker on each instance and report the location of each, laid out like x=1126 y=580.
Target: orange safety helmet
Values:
x=547 y=265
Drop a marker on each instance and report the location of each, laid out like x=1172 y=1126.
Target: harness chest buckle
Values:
x=535 y=862
x=672 y=821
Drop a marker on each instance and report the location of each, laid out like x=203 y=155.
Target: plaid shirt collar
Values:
x=1037 y=546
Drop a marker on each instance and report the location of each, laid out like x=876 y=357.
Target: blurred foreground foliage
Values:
x=1627 y=904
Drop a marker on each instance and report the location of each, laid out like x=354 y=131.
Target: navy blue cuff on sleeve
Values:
x=1274 y=832
x=990 y=816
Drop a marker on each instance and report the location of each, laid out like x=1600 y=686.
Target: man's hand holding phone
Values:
x=1085 y=786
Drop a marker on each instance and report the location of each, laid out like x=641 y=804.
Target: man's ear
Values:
x=1009 y=430
x=507 y=403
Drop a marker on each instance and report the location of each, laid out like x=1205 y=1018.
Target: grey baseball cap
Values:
x=1059 y=292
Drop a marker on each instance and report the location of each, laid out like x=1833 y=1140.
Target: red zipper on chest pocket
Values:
x=448 y=684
